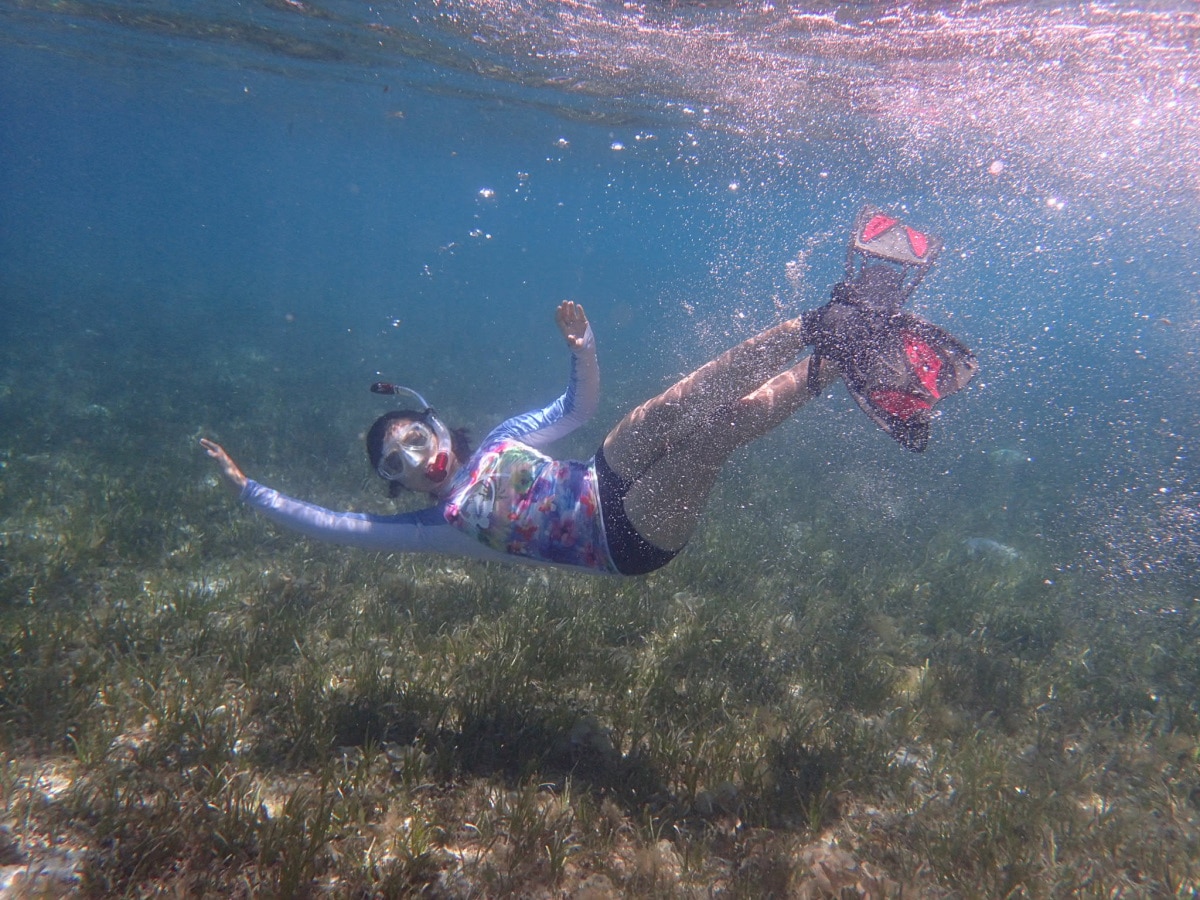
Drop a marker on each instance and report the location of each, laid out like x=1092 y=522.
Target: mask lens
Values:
x=407 y=451
x=416 y=437
x=391 y=466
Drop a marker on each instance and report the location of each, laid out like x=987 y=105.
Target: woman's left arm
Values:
x=578 y=403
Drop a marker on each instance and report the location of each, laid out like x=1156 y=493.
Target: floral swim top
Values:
x=520 y=501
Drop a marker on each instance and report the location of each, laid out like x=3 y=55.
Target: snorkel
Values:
x=411 y=455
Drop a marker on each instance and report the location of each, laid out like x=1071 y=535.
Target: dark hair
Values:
x=460 y=443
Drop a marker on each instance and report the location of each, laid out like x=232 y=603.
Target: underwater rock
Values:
x=1007 y=457
x=986 y=548
x=833 y=872
x=38 y=869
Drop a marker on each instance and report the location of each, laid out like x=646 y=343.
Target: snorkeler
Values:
x=631 y=508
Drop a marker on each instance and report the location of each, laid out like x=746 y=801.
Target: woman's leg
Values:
x=665 y=500
x=645 y=434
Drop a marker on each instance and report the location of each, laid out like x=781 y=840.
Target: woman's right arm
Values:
x=424 y=531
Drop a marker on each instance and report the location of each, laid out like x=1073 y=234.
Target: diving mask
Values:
x=419 y=447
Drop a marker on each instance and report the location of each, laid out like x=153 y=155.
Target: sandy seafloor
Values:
x=232 y=226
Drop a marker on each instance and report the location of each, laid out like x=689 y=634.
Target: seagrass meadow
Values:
x=971 y=672
x=194 y=703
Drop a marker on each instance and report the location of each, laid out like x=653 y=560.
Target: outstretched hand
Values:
x=572 y=322
x=234 y=475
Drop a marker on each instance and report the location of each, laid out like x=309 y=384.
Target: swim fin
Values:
x=896 y=366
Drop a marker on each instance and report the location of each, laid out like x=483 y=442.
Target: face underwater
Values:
x=418 y=454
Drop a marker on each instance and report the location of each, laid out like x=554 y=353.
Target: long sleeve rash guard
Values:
x=508 y=502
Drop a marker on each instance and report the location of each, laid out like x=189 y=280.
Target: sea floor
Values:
x=193 y=702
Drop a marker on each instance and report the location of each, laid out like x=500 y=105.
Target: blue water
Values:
x=232 y=226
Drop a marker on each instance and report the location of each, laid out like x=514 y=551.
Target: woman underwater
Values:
x=631 y=508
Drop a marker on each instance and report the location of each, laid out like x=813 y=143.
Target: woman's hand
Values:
x=572 y=322
x=229 y=468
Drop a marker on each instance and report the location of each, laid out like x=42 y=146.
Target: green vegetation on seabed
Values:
x=192 y=702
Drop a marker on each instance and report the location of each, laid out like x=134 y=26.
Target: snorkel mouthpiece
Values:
x=437 y=469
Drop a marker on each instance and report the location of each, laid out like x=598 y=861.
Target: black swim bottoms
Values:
x=631 y=553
